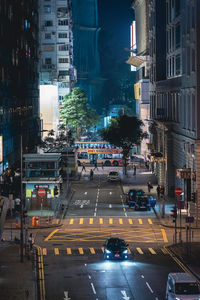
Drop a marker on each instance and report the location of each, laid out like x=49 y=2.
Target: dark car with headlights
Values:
x=132 y=195
x=115 y=248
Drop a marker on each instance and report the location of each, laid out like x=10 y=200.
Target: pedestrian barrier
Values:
x=33 y=221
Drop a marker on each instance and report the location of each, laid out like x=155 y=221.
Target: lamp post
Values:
x=22 y=201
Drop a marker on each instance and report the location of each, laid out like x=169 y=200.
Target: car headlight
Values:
x=107 y=251
x=177 y=299
x=125 y=251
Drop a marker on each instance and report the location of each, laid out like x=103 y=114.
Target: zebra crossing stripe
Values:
x=92 y=250
x=139 y=250
x=80 y=251
x=69 y=251
x=163 y=250
x=150 y=222
x=81 y=221
x=100 y=221
x=71 y=222
x=120 y=221
x=110 y=221
x=130 y=221
x=140 y=221
x=56 y=251
x=44 y=251
x=152 y=251
x=91 y=220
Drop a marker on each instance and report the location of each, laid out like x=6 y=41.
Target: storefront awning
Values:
x=135 y=61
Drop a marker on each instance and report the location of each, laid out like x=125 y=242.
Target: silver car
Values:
x=113 y=176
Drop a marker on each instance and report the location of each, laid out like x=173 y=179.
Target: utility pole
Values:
x=22 y=203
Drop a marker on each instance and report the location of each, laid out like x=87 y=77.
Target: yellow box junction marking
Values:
x=50 y=235
x=130 y=221
x=56 y=251
x=44 y=251
x=80 y=251
x=152 y=251
x=164 y=235
x=69 y=251
x=139 y=250
x=71 y=222
x=110 y=221
x=100 y=221
x=150 y=222
x=92 y=250
x=81 y=221
x=91 y=220
x=140 y=221
x=120 y=221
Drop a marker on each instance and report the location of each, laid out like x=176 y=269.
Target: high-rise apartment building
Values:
x=19 y=111
x=57 y=74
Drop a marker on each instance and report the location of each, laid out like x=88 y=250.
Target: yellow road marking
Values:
x=140 y=250
x=164 y=236
x=110 y=221
x=81 y=221
x=41 y=272
x=92 y=250
x=69 y=251
x=164 y=250
x=120 y=221
x=51 y=234
x=140 y=221
x=71 y=221
x=56 y=251
x=91 y=220
x=44 y=251
x=152 y=251
x=130 y=221
x=150 y=222
x=80 y=250
x=100 y=221
x=102 y=248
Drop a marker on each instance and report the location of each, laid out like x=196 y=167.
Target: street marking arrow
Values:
x=66 y=296
x=125 y=297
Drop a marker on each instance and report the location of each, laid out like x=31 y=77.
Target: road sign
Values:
x=189 y=219
x=178 y=191
x=41 y=192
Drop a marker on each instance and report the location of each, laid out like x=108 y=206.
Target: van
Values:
x=182 y=286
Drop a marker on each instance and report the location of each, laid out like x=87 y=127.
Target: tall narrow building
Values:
x=57 y=74
x=19 y=110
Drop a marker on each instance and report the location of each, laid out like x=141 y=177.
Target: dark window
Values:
x=47 y=36
x=178 y=35
x=48 y=23
x=62 y=35
x=178 y=64
x=47 y=61
x=177 y=7
x=63 y=22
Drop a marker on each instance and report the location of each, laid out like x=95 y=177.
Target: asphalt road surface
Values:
x=74 y=267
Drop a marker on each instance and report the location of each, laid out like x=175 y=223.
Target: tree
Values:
x=125 y=132
x=76 y=111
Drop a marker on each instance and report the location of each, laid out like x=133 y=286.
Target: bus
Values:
x=98 y=152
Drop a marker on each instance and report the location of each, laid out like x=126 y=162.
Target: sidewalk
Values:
x=187 y=253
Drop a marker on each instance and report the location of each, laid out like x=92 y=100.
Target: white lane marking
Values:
x=66 y=296
x=95 y=214
x=89 y=276
x=121 y=196
x=126 y=215
x=85 y=193
x=96 y=204
x=110 y=193
x=124 y=209
x=125 y=297
x=142 y=276
x=149 y=287
x=85 y=265
x=110 y=205
x=95 y=209
x=93 y=288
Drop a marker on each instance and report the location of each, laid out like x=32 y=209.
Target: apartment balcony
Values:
x=140 y=74
x=48 y=67
x=64 y=78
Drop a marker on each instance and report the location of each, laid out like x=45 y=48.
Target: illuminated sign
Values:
x=1 y=148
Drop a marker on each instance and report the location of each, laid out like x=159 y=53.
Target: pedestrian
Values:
x=83 y=167
x=91 y=174
x=95 y=166
x=31 y=241
x=102 y=165
x=149 y=185
x=158 y=191
x=134 y=170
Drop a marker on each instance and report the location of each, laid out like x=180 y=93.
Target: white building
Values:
x=56 y=54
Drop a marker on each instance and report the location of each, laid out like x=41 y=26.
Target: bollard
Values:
x=33 y=221
x=17 y=223
x=37 y=221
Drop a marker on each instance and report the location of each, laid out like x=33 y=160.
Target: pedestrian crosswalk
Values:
x=99 y=251
x=107 y=221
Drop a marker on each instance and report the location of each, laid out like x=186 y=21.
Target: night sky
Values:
x=115 y=17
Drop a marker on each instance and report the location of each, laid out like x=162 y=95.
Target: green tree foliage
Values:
x=125 y=132
x=76 y=111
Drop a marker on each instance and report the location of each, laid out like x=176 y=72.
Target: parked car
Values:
x=131 y=196
x=115 y=248
x=182 y=286
x=113 y=176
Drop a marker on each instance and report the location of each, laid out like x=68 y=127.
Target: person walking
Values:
x=134 y=170
x=149 y=185
x=158 y=191
x=91 y=174
x=31 y=241
x=83 y=167
x=95 y=166
x=102 y=165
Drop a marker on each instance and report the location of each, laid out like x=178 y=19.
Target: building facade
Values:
x=19 y=94
x=56 y=58
x=174 y=87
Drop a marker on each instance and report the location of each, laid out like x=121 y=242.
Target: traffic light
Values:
x=193 y=197
x=174 y=213
x=55 y=190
